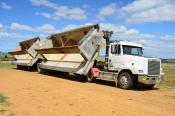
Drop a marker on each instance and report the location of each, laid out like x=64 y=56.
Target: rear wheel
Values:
x=39 y=69
x=90 y=77
x=125 y=81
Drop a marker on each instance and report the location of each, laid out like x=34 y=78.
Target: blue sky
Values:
x=150 y=22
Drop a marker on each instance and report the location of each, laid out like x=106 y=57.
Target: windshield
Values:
x=132 y=50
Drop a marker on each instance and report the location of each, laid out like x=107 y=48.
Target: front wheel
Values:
x=125 y=81
x=151 y=86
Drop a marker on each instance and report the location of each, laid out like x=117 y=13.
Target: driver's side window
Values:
x=115 y=49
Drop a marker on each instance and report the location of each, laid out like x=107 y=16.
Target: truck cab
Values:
x=126 y=58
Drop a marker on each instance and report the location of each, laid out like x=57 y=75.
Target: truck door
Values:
x=115 y=58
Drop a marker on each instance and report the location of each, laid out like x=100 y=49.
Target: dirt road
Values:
x=33 y=94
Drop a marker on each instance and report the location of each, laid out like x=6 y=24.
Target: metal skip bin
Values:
x=25 y=54
x=72 y=51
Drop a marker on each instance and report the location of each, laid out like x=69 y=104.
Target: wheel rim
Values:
x=124 y=81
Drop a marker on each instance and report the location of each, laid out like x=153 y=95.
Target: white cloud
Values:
x=121 y=32
x=44 y=14
x=1 y=26
x=168 y=38
x=142 y=5
x=14 y=35
x=46 y=28
x=107 y=11
x=72 y=26
x=149 y=11
x=44 y=3
x=61 y=12
x=65 y=13
x=5 y=6
x=17 y=26
x=141 y=11
x=159 y=45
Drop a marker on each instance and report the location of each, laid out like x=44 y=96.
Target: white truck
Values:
x=76 y=51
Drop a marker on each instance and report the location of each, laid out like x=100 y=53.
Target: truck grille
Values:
x=153 y=67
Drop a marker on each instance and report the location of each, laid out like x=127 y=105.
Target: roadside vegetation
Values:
x=169 y=75
x=5 y=57
x=5 y=61
x=6 y=64
x=3 y=100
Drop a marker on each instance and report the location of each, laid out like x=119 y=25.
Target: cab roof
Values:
x=128 y=43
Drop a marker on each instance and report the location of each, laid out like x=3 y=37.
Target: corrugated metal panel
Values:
x=90 y=43
x=32 y=50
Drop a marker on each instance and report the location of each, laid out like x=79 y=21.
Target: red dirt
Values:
x=33 y=94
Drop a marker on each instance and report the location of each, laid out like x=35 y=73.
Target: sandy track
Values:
x=33 y=94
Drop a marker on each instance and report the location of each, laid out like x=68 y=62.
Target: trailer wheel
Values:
x=90 y=77
x=22 y=67
x=19 y=67
x=125 y=81
x=39 y=69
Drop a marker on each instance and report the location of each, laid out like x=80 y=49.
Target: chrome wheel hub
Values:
x=124 y=81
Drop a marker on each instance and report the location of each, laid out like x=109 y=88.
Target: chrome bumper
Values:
x=150 y=79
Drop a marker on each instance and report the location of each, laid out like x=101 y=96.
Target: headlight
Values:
x=140 y=71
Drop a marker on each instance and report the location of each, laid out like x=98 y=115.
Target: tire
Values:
x=22 y=67
x=46 y=72
x=90 y=78
x=149 y=86
x=39 y=69
x=28 y=68
x=81 y=78
x=18 y=67
x=125 y=81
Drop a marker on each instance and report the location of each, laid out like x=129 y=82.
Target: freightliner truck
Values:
x=76 y=51
x=26 y=57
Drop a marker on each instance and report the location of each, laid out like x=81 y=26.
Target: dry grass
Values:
x=169 y=76
x=3 y=99
x=6 y=64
